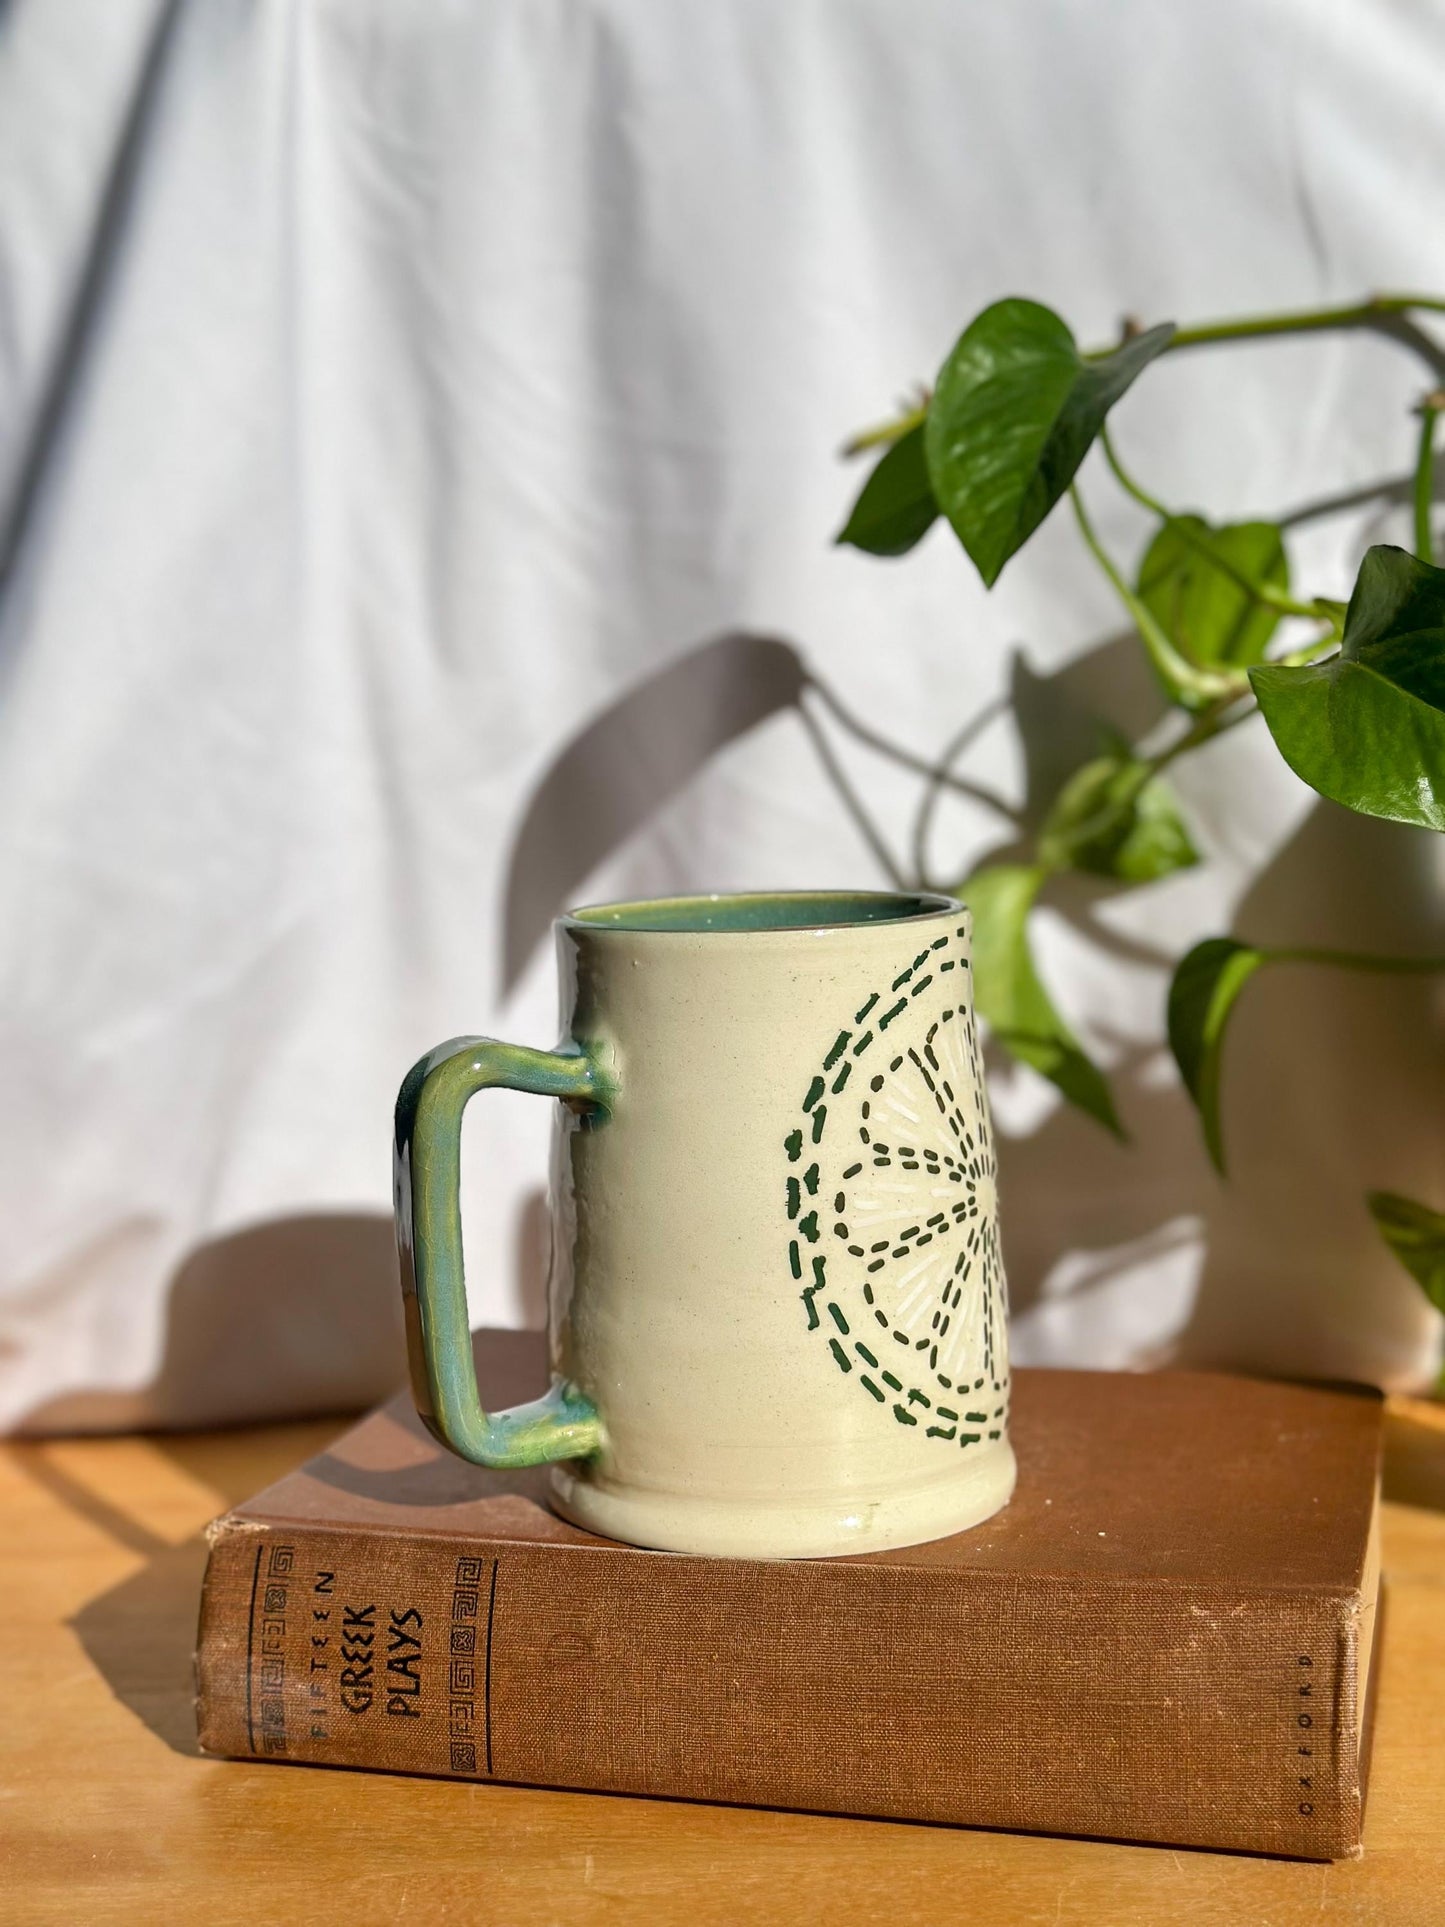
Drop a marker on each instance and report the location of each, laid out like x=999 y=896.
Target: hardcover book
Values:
x=1166 y=1636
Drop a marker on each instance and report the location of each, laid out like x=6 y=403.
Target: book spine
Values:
x=1180 y=1715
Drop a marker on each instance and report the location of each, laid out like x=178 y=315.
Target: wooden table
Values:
x=108 y=1814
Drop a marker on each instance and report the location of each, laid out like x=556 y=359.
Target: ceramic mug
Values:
x=777 y=1308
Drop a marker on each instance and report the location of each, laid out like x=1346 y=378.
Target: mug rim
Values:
x=737 y=913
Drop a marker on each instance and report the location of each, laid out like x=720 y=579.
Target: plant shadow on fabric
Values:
x=1217 y=639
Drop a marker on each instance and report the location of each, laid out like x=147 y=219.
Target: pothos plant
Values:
x=1352 y=694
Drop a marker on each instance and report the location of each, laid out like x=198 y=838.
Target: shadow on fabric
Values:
x=294 y=1316
x=1294 y=1277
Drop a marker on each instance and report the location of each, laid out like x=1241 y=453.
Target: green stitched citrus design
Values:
x=891 y=1195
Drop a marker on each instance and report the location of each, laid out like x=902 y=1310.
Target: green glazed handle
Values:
x=427 y=1169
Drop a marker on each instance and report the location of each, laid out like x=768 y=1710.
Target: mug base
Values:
x=744 y=1529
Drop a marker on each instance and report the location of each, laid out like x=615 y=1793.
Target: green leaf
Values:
x=1014 y=411
x=1416 y=1235
x=1113 y=819
x=1010 y=997
x=1199 y=606
x=1367 y=727
x=896 y=508
x=1202 y=996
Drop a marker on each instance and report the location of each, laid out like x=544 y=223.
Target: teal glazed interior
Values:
x=764 y=910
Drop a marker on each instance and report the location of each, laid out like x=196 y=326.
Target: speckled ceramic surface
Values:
x=777 y=1306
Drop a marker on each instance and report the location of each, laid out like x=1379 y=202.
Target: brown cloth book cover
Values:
x=1166 y=1636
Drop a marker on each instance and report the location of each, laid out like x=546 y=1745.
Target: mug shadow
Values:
x=140 y=1634
x=294 y=1316
x=297 y=1315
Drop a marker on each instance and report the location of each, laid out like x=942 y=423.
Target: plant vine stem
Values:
x=920 y=765
x=1266 y=592
x=1381 y=313
x=1425 y=476
x=1391 y=321
x=1359 y=960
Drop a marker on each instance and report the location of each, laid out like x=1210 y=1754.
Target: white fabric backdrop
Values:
x=384 y=388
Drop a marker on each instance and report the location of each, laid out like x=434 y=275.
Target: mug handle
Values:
x=426 y=1168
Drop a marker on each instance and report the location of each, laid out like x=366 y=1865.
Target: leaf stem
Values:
x=883 y=434
x=1318 y=608
x=1425 y=473
x=1308 y=652
x=1224 y=715
x=1189 y=685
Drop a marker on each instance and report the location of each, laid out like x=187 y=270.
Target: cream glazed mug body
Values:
x=776 y=1302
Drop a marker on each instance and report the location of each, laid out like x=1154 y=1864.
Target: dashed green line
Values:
x=837 y=1051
